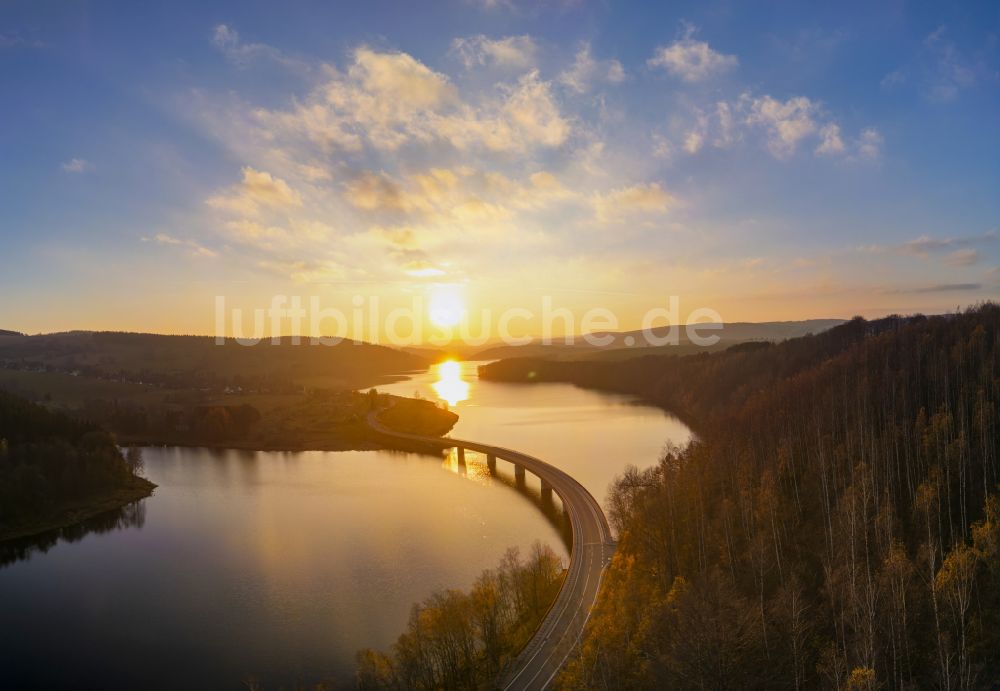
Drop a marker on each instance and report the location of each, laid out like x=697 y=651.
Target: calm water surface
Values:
x=280 y=566
x=591 y=435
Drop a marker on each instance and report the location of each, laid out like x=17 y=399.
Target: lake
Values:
x=278 y=567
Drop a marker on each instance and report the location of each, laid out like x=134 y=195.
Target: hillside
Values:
x=626 y=344
x=836 y=526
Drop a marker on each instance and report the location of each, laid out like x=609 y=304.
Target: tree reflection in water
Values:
x=131 y=515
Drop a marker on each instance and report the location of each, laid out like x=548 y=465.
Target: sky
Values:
x=769 y=161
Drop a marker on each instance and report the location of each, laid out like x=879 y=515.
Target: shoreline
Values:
x=371 y=442
x=141 y=488
x=355 y=435
x=71 y=514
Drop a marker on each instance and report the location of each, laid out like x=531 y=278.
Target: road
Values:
x=560 y=632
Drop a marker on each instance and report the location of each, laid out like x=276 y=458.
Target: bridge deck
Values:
x=560 y=632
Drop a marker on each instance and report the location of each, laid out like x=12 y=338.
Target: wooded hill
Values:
x=836 y=526
x=620 y=345
x=198 y=362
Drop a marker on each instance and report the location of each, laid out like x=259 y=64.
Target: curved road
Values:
x=562 y=628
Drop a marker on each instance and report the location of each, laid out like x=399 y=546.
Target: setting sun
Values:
x=446 y=308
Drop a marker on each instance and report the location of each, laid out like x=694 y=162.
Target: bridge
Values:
x=560 y=632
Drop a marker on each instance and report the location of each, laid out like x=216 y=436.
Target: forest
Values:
x=463 y=640
x=835 y=525
x=51 y=463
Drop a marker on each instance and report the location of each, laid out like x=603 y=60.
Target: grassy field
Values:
x=73 y=391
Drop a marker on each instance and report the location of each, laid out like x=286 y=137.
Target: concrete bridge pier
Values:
x=461 y=455
x=546 y=492
x=519 y=475
x=491 y=463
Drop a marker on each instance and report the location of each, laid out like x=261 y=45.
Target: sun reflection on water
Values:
x=450 y=386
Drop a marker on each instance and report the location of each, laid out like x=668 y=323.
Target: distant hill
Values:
x=627 y=344
x=5 y=332
x=428 y=354
x=198 y=362
x=750 y=331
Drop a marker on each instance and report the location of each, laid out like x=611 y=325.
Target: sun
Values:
x=446 y=308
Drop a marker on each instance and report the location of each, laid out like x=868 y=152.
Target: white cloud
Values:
x=954 y=252
x=786 y=122
x=314 y=173
x=525 y=117
x=389 y=100
x=265 y=189
x=305 y=271
x=786 y=125
x=427 y=172
x=691 y=60
x=299 y=233
x=532 y=111
x=625 y=202
x=940 y=70
x=663 y=147
x=257 y=234
x=421 y=268
x=830 y=143
x=195 y=249
x=693 y=141
x=716 y=126
x=514 y=52
x=870 y=144
x=422 y=173
x=726 y=134
x=924 y=245
x=312 y=230
x=963 y=257
x=399 y=80
x=373 y=191
x=227 y=40
x=950 y=71
x=77 y=165
x=586 y=70
x=465 y=195
x=257 y=189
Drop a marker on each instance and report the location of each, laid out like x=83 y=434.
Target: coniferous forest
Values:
x=52 y=465
x=835 y=525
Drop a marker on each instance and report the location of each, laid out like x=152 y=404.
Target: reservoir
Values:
x=275 y=568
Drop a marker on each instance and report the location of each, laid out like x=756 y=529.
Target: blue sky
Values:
x=768 y=160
